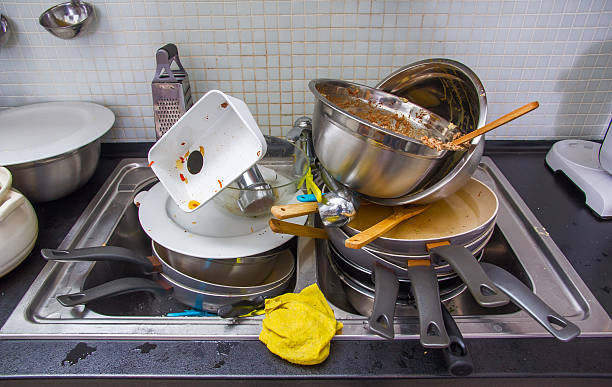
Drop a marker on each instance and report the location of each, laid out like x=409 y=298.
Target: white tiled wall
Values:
x=558 y=52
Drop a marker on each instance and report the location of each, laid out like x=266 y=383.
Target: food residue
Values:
x=202 y=150
x=179 y=164
x=376 y=113
x=183 y=178
x=151 y=163
x=183 y=143
x=438 y=144
x=258 y=153
x=193 y=204
x=220 y=185
x=251 y=228
x=224 y=105
x=186 y=154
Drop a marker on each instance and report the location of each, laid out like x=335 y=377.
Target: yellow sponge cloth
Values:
x=299 y=326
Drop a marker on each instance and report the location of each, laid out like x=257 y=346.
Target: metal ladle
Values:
x=338 y=206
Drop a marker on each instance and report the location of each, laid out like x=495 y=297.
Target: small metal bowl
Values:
x=67 y=20
x=5 y=31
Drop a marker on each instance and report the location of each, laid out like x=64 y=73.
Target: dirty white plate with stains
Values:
x=210 y=232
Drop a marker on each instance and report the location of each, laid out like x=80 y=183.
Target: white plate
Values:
x=35 y=132
x=209 y=232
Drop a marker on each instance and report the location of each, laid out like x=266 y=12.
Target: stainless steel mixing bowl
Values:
x=365 y=157
x=67 y=20
x=453 y=91
x=55 y=177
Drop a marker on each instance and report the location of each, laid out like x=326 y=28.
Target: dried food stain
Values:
x=224 y=105
x=151 y=163
x=145 y=348
x=80 y=352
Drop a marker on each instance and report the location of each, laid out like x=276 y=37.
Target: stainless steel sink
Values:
x=519 y=244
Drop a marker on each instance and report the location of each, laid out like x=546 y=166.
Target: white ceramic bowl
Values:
x=18 y=225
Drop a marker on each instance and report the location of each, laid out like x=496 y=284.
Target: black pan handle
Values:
x=458 y=359
x=241 y=308
x=386 y=287
x=113 y=288
x=424 y=286
x=522 y=296
x=467 y=267
x=102 y=253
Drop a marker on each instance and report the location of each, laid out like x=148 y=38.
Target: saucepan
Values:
x=227 y=301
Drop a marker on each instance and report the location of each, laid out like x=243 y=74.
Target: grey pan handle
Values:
x=113 y=288
x=523 y=297
x=425 y=290
x=467 y=267
x=386 y=287
x=102 y=253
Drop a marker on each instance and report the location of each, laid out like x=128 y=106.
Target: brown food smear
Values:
x=373 y=112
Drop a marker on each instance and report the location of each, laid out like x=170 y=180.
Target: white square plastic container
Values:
x=221 y=129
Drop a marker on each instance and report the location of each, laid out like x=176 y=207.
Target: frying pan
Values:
x=458 y=219
x=196 y=293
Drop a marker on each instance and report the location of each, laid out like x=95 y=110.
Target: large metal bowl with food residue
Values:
x=453 y=91
x=370 y=140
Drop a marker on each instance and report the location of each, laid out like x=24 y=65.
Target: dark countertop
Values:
x=556 y=202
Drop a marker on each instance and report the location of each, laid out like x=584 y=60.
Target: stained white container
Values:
x=210 y=146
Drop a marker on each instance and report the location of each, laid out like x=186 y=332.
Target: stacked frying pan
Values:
x=428 y=258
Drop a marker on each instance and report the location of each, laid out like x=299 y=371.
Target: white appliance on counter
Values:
x=589 y=165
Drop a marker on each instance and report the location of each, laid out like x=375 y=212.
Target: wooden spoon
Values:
x=400 y=213
x=282 y=227
x=498 y=122
x=294 y=210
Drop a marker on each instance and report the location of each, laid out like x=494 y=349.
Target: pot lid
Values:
x=210 y=232
x=39 y=131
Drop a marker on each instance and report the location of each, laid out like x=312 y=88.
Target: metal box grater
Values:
x=171 y=90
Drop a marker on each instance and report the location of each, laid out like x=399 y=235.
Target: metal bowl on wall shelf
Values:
x=67 y=20
x=5 y=31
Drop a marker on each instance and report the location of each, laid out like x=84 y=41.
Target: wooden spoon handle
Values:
x=281 y=227
x=357 y=241
x=294 y=210
x=498 y=122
